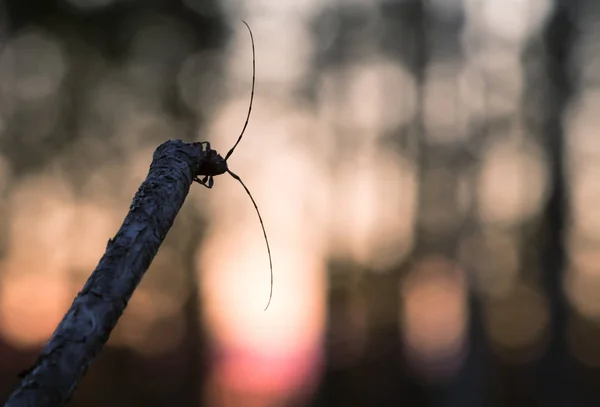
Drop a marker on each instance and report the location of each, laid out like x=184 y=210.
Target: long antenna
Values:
x=251 y=94
x=235 y=176
x=264 y=232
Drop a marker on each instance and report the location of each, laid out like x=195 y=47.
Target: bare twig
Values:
x=95 y=311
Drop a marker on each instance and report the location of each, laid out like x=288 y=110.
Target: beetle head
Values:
x=211 y=164
x=217 y=164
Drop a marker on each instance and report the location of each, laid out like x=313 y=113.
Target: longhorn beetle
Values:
x=212 y=164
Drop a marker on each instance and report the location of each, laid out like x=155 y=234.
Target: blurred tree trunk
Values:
x=555 y=385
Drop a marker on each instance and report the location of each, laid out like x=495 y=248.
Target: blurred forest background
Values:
x=425 y=169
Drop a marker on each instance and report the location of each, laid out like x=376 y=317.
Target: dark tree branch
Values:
x=95 y=311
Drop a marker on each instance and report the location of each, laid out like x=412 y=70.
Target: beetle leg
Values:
x=207 y=181
x=204 y=146
x=207 y=144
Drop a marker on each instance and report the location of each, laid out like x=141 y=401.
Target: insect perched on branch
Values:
x=211 y=163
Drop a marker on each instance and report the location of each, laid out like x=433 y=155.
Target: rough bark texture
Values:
x=95 y=311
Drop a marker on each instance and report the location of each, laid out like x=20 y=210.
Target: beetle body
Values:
x=211 y=164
